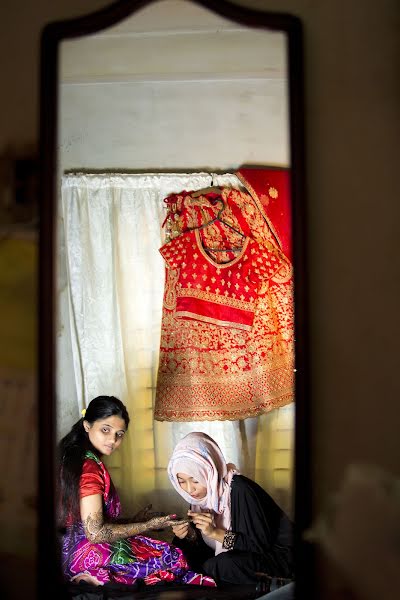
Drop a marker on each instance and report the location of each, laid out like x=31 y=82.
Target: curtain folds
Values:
x=110 y=291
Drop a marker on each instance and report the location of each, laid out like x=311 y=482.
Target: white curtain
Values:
x=111 y=283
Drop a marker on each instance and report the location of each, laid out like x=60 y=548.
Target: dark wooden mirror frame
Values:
x=48 y=555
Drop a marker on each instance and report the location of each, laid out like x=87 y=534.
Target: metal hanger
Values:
x=218 y=218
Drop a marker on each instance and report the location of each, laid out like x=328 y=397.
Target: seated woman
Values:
x=237 y=533
x=95 y=547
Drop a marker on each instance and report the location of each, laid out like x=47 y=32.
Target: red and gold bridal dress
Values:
x=226 y=349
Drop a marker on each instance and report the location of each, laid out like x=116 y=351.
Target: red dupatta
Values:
x=270 y=189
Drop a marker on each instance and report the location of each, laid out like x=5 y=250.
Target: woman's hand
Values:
x=161 y=522
x=203 y=521
x=181 y=529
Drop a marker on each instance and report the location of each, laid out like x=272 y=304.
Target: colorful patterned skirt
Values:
x=126 y=561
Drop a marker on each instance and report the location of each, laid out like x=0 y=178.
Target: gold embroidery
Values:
x=185 y=313
x=208 y=372
x=211 y=297
x=172 y=276
x=284 y=273
x=211 y=373
x=213 y=262
x=260 y=208
x=273 y=192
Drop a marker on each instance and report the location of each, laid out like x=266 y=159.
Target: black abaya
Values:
x=263 y=539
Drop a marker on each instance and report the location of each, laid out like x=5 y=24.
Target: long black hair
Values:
x=73 y=447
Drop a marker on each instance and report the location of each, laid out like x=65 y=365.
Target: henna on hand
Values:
x=97 y=531
x=161 y=522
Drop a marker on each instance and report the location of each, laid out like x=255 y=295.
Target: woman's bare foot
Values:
x=86 y=577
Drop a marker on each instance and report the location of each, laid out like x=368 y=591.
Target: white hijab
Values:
x=199 y=456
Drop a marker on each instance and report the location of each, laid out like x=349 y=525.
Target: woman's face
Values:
x=106 y=434
x=191 y=486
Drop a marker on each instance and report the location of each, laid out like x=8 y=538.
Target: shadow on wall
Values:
x=18 y=407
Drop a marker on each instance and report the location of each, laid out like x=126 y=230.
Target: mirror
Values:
x=141 y=103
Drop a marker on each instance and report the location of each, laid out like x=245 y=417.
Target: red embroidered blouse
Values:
x=221 y=293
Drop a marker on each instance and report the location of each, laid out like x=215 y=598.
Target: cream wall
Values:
x=174 y=87
x=352 y=128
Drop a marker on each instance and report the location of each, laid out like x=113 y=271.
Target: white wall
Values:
x=174 y=87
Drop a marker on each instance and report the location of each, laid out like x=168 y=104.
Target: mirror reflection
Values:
x=174 y=267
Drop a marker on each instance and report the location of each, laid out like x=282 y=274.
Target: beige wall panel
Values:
x=173 y=125
x=187 y=55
